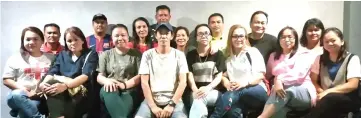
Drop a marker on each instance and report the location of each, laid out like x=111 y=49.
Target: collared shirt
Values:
x=46 y=48
x=65 y=66
x=293 y=71
x=219 y=43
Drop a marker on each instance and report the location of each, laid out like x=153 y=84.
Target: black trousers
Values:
x=335 y=105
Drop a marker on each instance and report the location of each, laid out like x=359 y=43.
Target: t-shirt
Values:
x=266 y=45
x=206 y=67
x=27 y=70
x=353 y=67
x=219 y=44
x=240 y=69
x=100 y=45
x=163 y=70
x=120 y=67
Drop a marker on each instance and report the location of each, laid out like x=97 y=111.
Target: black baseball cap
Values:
x=99 y=16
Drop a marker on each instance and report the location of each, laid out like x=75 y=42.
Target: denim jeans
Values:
x=235 y=103
x=199 y=106
x=20 y=102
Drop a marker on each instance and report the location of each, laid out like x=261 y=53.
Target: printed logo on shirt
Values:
x=36 y=72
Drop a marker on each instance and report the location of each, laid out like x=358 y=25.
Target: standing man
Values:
x=162 y=15
x=163 y=73
x=52 y=35
x=100 y=41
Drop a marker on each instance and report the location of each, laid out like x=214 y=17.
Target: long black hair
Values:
x=313 y=21
x=148 y=39
x=279 y=49
x=325 y=57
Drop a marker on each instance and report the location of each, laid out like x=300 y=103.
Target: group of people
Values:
x=163 y=71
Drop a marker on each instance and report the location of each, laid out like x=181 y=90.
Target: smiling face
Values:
x=120 y=37
x=313 y=33
x=181 y=37
x=141 y=28
x=239 y=38
x=259 y=23
x=332 y=42
x=32 y=41
x=51 y=34
x=287 y=39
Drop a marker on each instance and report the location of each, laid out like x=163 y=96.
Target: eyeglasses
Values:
x=201 y=34
x=238 y=36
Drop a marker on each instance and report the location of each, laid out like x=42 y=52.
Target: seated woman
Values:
x=142 y=40
x=68 y=78
x=181 y=38
x=205 y=73
x=335 y=74
x=293 y=89
x=245 y=70
x=22 y=73
x=118 y=73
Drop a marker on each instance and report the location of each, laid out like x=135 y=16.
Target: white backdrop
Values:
x=17 y=15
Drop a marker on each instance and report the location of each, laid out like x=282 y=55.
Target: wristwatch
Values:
x=171 y=103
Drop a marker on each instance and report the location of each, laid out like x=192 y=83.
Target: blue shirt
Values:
x=65 y=66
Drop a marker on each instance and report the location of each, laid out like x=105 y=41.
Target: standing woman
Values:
x=181 y=38
x=293 y=89
x=23 y=71
x=245 y=73
x=71 y=71
x=206 y=71
x=336 y=75
x=311 y=35
x=118 y=73
x=142 y=39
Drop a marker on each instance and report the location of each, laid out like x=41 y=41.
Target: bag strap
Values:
x=249 y=58
x=86 y=58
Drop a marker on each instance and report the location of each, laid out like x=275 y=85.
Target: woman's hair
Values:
x=201 y=25
x=136 y=40
x=279 y=49
x=313 y=21
x=175 y=34
x=325 y=59
x=229 y=47
x=118 y=26
x=34 y=30
x=78 y=33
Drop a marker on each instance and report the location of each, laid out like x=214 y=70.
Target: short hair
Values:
x=215 y=14
x=118 y=26
x=258 y=12
x=52 y=25
x=31 y=29
x=162 y=7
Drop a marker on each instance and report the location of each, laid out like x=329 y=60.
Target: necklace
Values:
x=199 y=56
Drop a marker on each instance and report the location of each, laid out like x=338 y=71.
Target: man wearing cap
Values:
x=52 y=36
x=163 y=73
x=100 y=41
x=162 y=16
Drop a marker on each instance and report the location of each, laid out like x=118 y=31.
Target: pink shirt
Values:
x=294 y=71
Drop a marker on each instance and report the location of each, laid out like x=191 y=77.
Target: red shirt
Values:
x=142 y=48
x=46 y=48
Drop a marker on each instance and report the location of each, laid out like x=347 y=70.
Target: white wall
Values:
x=17 y=15
x=352 y=26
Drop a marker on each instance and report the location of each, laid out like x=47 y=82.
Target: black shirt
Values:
x=266 y=45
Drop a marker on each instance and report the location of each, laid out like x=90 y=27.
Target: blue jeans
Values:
x=19 y=101
x=235 y=103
